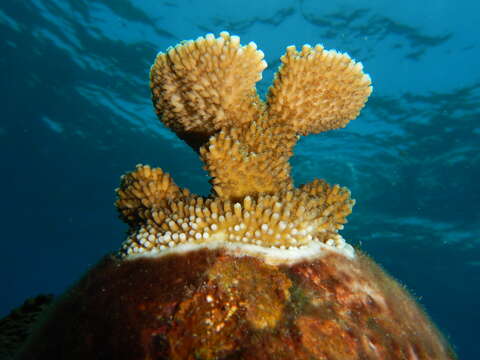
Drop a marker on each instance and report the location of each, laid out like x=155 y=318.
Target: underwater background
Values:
x=76 y=114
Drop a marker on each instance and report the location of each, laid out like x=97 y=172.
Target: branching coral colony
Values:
x=257 y=270
x=204 y=90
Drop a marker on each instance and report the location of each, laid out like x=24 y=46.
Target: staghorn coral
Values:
x=256 y=270
x=207 y=88
x=250 y=160
x=196 y=88
x=144 y=190
x=288 y=219
x=318 y=90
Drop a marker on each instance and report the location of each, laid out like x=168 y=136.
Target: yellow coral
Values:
x=201 y=86
x=250 y=160
x=204 y=90
x=317 y=90
x=143 y=190
x=293 y=218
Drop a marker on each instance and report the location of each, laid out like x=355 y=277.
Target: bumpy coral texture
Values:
x=204 y=90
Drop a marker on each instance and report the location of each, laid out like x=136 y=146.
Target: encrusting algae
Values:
x=256 y=270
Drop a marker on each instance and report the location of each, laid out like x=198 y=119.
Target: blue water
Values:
x=76 y=114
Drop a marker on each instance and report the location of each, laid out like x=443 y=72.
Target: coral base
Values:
x=208 y=305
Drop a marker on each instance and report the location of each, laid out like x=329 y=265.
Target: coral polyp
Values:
x=257 y=269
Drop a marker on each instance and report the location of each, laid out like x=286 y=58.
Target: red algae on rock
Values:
x=360 y=312
x=256 y=270
x=206 y=304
